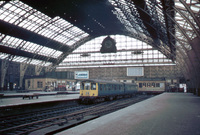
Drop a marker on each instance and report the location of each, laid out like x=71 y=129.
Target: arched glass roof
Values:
x=130 y=52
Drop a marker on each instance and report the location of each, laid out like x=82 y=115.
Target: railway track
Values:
x=60 y=118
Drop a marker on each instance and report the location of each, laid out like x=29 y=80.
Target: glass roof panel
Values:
x=47 y=64
x=19 y=59
x=35 y=62
x=18 y=10
x=30 y=47
x=24 y=60
x=3 y=55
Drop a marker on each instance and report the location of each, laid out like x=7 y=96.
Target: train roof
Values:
x=102 y=81
x=128 y=83
x=106 y=81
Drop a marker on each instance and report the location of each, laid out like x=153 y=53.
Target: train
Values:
x=94 y=91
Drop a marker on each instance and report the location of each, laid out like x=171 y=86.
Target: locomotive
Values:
x=93 y=91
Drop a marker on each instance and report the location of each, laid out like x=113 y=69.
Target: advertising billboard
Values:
x=81 y=74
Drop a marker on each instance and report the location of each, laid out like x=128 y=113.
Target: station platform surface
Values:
x=165 y=114
x=14 y=99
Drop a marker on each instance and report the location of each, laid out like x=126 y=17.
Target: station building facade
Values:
x=65 y=78
x=51 y=81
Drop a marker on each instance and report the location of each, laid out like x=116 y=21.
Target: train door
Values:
x=94 y=89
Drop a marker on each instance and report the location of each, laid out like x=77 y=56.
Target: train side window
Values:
x=148 y=84
x=93 y=86
x=101 y=87
x=140 y=85
x=109 y=87
x=153 y=84
x=157 y=84
x=115 y=87
x=126 y=87
x=144 y=84
x=122 y=88
x=105 y=87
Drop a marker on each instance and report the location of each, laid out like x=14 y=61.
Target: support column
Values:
x=195 y=64
x=38 y=70
x=23 y=68
x=4 y=67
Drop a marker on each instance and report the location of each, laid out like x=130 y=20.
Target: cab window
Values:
x=87 y=86
x=93 y=86
x=82 y=86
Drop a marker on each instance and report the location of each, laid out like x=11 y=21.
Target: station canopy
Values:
x=71 y=33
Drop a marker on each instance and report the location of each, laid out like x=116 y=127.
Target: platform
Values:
x=13 y=99
x=165 y=114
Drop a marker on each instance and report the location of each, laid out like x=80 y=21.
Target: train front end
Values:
x=88 y=92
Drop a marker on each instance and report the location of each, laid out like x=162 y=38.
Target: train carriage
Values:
x=130 y=88
x=151 y=87
x=110 y=89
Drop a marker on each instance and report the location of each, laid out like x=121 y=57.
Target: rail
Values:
x=61 y=117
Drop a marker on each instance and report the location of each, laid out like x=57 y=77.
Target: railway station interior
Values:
x=47 y=48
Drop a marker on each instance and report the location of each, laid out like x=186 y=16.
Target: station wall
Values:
x=120 y=73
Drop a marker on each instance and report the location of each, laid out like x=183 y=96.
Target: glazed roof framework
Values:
x=45 y=32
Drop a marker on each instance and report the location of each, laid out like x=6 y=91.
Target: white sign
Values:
x=81 y=74
x=183 y=86
x=135 y=71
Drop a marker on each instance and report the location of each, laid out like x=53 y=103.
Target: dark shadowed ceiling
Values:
x=93 y=16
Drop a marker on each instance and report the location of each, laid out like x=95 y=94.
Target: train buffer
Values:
x=31 y=96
